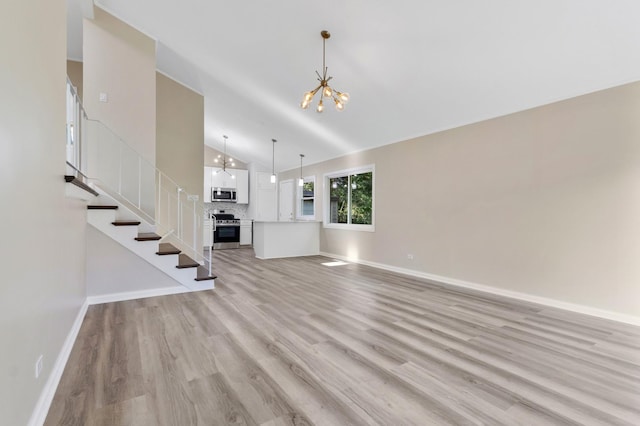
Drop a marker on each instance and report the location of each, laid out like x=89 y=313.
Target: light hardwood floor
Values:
x=291 y=341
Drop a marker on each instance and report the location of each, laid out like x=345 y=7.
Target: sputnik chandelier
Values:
x=339 y=98
x=226 y=161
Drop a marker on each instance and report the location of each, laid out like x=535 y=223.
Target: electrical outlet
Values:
x=410 y=256
x=39 y=366
x=104 y=97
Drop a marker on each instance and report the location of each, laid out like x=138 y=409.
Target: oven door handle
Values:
x=214 y=222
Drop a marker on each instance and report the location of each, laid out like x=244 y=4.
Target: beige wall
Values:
x=180 y=148
x=180 y=134
x=42 y=244
x=74 y=72
x=544 y=202
x=121 y=62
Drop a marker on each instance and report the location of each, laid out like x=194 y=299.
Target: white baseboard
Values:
x=41 y=410
x=140 y=294
x=582 y=309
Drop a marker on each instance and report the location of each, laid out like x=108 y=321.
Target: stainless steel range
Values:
x=226 y=233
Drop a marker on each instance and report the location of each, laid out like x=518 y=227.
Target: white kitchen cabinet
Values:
x=245 y=232
x=222 y=179
x=266 y=198
x=242 y=186
x=239 y=182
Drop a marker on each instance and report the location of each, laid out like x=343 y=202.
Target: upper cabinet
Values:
x=242 y=186
x=223 y=179
x=236 y=179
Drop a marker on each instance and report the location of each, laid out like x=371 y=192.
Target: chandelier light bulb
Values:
x=326 y=92
x=308 y=96
x=304 y=104
x=339 y=105
x=344 y=97
x=320 y=106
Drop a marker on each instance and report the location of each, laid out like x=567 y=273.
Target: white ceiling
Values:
x=412 y=67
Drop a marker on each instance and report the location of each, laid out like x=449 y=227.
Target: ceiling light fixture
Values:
x=225 y=160
x=339 y=98
x=301 y=181
x=273 y=161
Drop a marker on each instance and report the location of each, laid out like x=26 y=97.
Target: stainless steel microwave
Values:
x=223 y=194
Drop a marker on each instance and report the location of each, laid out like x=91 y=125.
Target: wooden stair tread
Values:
x=126 y=223
x=167 y=248
x=100 y=207
x=203 y=274
x=185 y=261
x=148 y=236
x=80 y=184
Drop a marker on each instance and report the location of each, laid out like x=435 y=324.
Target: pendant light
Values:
x=339 y=98
x=273 y=161
x=301 y=181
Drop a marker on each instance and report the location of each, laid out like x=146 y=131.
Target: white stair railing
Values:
x=99 y=154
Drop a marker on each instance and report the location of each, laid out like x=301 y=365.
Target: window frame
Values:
x=326 y=207
x=300 y=198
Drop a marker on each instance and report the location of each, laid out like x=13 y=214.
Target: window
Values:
x=306 y=199
x=350 y=196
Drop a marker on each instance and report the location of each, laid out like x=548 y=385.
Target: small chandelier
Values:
x=339 y=98
x=226 y=161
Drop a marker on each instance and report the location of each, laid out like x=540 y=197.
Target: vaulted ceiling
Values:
x=412 y=67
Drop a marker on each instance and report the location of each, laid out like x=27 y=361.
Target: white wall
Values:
x=132 y=274
x=544 y=202
x=263 y=202
x=42 y=244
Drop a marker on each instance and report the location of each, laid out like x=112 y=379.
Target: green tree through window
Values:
x=361 y=198
x=351 y=199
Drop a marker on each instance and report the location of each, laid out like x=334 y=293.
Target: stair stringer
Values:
x=125 y=235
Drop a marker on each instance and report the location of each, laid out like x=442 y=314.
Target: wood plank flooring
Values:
x=294 y=342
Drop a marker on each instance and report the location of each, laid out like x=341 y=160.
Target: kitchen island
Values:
x=286 y=239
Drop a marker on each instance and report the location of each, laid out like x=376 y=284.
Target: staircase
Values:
x=121 y=224
x=133 y=202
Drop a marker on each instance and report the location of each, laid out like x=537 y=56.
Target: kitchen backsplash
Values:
x=238 y=210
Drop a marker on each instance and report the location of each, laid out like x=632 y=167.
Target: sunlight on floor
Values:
x=335 y=263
